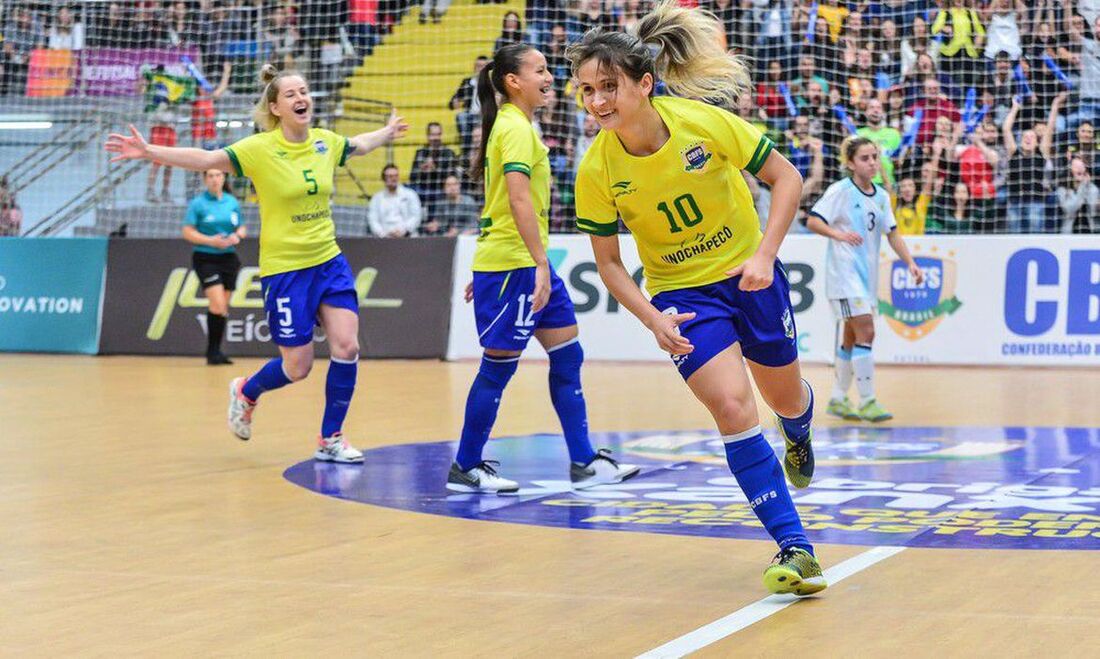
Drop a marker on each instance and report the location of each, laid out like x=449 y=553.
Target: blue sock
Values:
x=568 y=399
x=339 y=388
x=798 y=428
x=270 y=376
x=481 y=407
x=760 y=476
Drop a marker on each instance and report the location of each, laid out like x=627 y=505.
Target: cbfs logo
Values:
x=913 y=310
x=696 y=157
x=1046 y=291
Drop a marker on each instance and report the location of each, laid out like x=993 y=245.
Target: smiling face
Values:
x=530 y=85
x=610 y=95
x=292 y=103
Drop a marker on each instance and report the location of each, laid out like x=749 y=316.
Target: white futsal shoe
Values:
x=240 y=410
x=337 y=449
x=601 y=471
x=481 y=478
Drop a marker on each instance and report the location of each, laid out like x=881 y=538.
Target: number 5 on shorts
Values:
x=285 y=319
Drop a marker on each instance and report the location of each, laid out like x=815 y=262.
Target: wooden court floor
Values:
x=134 y=525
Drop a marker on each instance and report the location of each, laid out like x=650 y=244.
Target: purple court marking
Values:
x=959 y=487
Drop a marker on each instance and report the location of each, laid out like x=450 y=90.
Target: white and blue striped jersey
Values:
x=851 y=270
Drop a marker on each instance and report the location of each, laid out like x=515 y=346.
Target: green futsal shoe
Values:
x=873 y=412
x=794 y=571
x=798 y=460
x=842 y=409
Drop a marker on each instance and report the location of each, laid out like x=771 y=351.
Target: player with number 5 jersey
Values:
x=306 y=280
x=672 y=168
x=515 y=291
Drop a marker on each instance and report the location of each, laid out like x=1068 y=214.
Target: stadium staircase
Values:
x=416 y=70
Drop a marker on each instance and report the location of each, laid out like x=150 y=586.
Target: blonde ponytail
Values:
x=686 y=45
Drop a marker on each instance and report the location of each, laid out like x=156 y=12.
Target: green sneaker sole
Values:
x=783 y=580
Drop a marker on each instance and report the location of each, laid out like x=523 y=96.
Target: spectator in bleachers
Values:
x=953 y=215
x=768 y=96
x=807 y=73
x=633 y=10
x=21 y=36
x=558 y=124
x=902 y=12
x=111 y=27
x=455 y=213
x=806 y=153
x=911 y=207
x=394 y=211
x=434 y=9
x=590 y=14
x=886 y=59
x=1001 y=87
x=963 y=40
x=1026 y=177
x=834 y=15
x=978 y=161
x=11 y=217
x=1003 y=32
x=510 y=31
x=896 y=117
x=364 y=28
x=888 y=140
x=589 y=130
x=66 y=33
x=1089 y=104
x=1079 y=200
x=773 y=37
x=180 y=29
x=916 y=42
x=825 y=51
x=464 y=102
x=554 y=51
x=147 y=29
x=432 y=165
x=281 y=37
x=935 y=104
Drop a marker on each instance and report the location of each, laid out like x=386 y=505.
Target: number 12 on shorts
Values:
x=525 y=317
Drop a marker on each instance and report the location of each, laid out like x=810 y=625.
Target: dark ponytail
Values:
x=489 y=82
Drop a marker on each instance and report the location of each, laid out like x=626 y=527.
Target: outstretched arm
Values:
x=134 y=147
x=364 y=143
x=786 y=184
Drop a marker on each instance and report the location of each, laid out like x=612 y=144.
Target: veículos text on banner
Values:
x=154 y=302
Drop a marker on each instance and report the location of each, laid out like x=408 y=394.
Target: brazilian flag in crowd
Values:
x=162 y=88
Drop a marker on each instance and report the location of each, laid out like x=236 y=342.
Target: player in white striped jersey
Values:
x=854 y=213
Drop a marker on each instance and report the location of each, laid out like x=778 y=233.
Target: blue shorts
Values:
x=293 y=299
x=502 y=308
x=762 y=321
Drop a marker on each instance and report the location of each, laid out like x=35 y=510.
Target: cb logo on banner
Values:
x=913 y=310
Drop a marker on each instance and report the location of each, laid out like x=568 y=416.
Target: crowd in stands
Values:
x=985 y=110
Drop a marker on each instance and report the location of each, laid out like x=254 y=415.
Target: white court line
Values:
x=757 y=611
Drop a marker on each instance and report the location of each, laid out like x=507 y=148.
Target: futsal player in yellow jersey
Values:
x=671 y=169
x=516 y=293
x=305 y=278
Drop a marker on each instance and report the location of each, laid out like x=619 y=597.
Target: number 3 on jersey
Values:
x=687 y=210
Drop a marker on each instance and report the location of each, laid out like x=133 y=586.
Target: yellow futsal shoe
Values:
x=873 y=412
x=842 y=409
x=798 y=459
x=795 y=571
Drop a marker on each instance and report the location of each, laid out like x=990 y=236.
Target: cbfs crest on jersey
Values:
x=913 y=310
x=696 y=156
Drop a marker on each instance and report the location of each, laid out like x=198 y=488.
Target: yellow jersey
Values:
x=293 y=184
x=911 y=219
x=513 y=146
x=687 y=205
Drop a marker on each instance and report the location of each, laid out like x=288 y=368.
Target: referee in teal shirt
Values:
x=213 y=225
